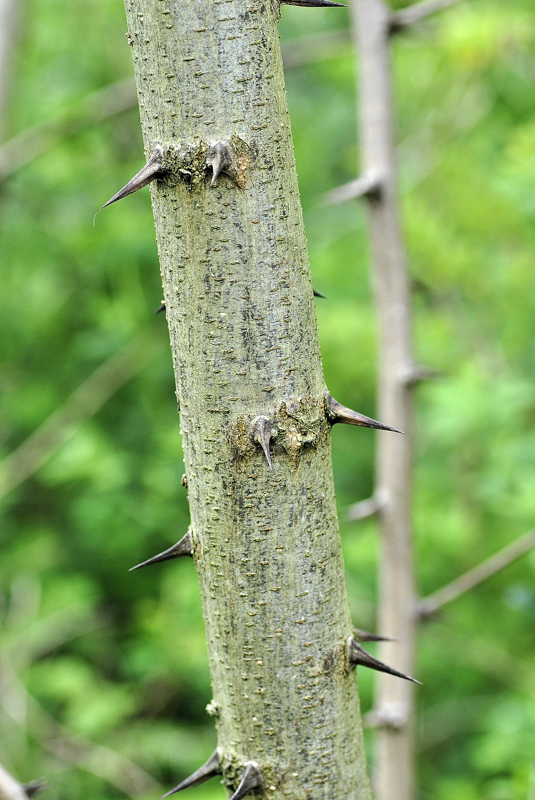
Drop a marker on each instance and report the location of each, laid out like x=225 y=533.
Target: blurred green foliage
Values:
x=103 y=673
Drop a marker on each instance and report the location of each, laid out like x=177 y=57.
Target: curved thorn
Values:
x=359 y=656
x=208 y=770
x=182 y=548
x=364 y=636
x=339 y=413
x=317 y=294
x=160 y=308
x=312 y=3
x=261 y=434
x=251 y=780
x=220 y=159
x=152 y=169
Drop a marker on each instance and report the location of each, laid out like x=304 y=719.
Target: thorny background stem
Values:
x=393 y=766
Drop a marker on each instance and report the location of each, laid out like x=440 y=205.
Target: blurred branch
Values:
x=105 y=763
x=408 y=16
x=94 y=108
x=121 y=96
x=366 y=185
x=429 y=606
x=83 y=403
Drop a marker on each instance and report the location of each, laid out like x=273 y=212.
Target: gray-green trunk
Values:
x=244 y=338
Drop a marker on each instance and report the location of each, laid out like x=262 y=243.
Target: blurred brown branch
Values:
x=408 y=16
x=121 y=96
x=83 y=403
x=94 y=108
x=101 y=761
x=430 y=605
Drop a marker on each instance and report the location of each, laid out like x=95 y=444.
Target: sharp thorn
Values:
x=182 y=548
x=208 y=770
x=364 y=636
x=220 y=159
x=339 y=413
x=152 y=169
x=312 y=3
x=317 y=294
x=359 y=656
x=160 y=308
x=261 y=434
x=251 y=780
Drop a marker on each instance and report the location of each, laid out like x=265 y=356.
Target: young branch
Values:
x=429 y=606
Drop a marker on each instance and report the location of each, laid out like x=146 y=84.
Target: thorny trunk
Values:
x=393 y=770
x=248 y=372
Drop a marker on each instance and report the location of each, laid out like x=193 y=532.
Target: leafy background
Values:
x=103 y=673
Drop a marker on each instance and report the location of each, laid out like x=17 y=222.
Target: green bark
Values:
x=245 y=345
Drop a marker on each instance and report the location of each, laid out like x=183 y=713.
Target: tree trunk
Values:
x=251 y=391
x=393 y=768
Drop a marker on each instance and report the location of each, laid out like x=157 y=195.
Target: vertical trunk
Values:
x=394 y=753
x=248 y=374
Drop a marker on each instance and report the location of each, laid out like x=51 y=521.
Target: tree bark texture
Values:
x=393 y=761
x=246 y=356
